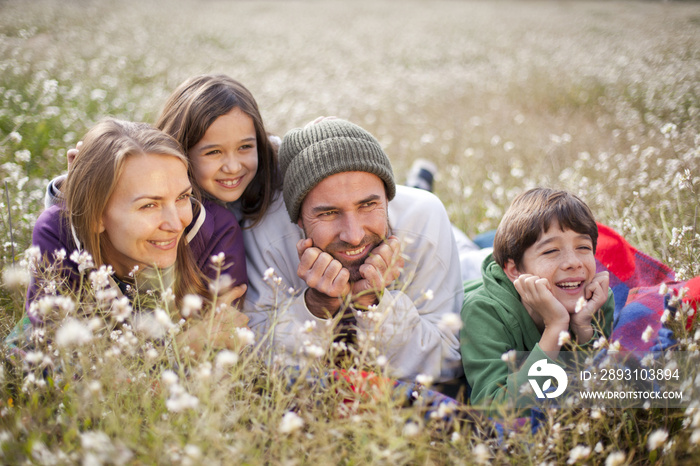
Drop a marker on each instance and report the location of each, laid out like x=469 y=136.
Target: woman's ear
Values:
x=511 y=270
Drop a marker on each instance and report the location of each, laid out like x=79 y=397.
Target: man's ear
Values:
x=511 y=270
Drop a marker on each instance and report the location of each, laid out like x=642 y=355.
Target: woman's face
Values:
x=225 y=160
x=146 y=214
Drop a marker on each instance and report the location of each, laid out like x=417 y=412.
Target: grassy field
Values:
x=601 y=98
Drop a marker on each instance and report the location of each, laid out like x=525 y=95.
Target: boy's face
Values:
x=565 y=259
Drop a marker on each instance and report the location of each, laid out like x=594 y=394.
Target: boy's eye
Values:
x=549 y=251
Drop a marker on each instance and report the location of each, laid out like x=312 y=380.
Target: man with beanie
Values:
x=362 y=261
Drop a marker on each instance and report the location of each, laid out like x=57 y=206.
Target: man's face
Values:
x=346 y=216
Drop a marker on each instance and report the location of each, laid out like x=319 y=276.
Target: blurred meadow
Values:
x=600 y=98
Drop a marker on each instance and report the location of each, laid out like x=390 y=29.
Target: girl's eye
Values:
x=213 y=152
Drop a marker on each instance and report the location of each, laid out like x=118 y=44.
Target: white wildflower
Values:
x=269 y=273
x=663 y=289
x=290 y=422
x=245 y=336
x=455 y=437
x=218 y=259
x=616 y=458
x=695 y=437
x=222 y=284
x=193 y=452
x=665 y=316
x=314 y=351
x=381 y=360
x=509 y=357
x=308 y=326
x=34 y=357
x=564 y=338
x=15 y=277
x=411 y=429
x=580 y=304
x=578 y=453
x=33 y=255
x=614 y=347
x=656 y=439
x=428 y=295
x=98 y=95
x=424 y=379
x=599 y=447
x=163 y=318
x=225 y=358
x=15 y=137
x=450 y=323
x=169 y=377
x=121 y=309
x=72 y=332
x=23 y=155
x=191 y=304
x=646 y=335
x=600 y=342
x=647 y=360
x=83 y=259
x=180 y=400
x=482 y=454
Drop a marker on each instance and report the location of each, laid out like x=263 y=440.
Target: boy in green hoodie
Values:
x=539 y=283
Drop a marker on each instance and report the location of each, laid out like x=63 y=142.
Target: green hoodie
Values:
x=495 y=322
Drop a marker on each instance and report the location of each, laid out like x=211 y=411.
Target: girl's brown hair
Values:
x=93 y=178
x=195 y=105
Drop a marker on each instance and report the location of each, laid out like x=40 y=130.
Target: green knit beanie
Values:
x=310 y=154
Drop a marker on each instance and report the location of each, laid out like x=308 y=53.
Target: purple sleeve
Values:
x=51 y=234
x=220 y=232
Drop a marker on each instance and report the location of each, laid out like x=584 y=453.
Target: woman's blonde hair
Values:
x=195 y=105
x=92 y=180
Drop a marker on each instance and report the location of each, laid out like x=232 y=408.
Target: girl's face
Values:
x=147 y=213
x=225 y=160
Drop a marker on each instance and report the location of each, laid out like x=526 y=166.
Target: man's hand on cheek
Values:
x=327 y=279
x=381 y=268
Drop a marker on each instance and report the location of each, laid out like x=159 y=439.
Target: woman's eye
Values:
x=150 y=205
x=184 y=196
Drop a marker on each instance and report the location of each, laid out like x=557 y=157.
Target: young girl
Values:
x=127 y=203
x=217 y=122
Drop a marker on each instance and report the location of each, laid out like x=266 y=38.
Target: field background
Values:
x=601 y=98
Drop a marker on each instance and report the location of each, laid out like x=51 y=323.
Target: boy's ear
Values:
x=511 y=270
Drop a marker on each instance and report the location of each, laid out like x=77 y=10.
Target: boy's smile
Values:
x=566 y=259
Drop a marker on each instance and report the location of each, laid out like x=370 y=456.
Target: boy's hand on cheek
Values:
x=536 y=295
x=596 y=294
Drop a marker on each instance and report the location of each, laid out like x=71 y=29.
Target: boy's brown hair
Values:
x=531 y=214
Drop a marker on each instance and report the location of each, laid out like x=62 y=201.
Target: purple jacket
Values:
x=214 y=230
